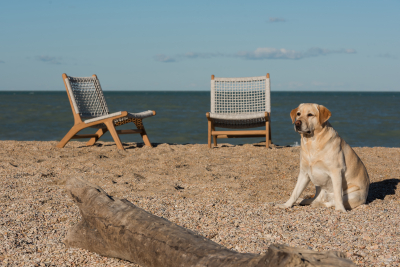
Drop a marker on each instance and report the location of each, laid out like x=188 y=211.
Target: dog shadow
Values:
x=379 y=190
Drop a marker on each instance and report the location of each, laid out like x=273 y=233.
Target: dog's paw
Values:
x=341 y=209
x=282 y=206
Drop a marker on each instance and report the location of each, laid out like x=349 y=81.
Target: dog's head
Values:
x=309 y=117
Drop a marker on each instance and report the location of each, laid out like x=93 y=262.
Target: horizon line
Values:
x=291 y=91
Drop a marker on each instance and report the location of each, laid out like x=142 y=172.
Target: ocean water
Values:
x=361 y=118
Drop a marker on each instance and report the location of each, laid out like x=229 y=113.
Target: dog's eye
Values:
x=298 y=113
x=310 y=115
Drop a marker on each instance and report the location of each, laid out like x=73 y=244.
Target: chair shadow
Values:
x=379 y=190
x=130 y=145
x=140 y=145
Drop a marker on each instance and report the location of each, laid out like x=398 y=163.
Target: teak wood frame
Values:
x=212 y=133
x=79 y=125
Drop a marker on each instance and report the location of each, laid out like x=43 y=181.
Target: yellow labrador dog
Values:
x=339 y=176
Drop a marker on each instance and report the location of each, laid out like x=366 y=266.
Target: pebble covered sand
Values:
x=227 y=194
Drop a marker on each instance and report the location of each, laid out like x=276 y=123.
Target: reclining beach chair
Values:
x=90 y=109
x=240 y=103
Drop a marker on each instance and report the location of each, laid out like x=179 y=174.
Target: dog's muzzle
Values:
x=298 y=125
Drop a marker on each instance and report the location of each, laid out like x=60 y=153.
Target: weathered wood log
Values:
x=116 y=228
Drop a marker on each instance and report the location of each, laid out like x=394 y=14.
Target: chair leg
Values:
x=270 y=135
x=209 y=133
x=99 y=133
x=114 y=134
x=214 y=137
x=267 y=135
x=145 y=138
x=73 y=131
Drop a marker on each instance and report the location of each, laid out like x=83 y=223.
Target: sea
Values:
x=363 y=119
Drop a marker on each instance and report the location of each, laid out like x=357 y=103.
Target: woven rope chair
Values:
x=240 y=103
x=90 y=109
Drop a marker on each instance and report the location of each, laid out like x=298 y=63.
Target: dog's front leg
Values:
x=338 y=189
x=302 y=182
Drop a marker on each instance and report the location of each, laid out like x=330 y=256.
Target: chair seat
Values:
x=140 y=115
x=237 y=116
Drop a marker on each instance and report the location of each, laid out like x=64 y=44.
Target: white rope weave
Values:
x=87 y=96
x=237 y=116
x=240 y=102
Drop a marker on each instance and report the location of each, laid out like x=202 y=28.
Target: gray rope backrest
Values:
x=87 y=96
x=240 y=95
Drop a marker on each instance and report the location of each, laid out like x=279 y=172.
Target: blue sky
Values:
x=177 y=45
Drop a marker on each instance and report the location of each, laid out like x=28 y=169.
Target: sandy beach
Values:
x=227 y=194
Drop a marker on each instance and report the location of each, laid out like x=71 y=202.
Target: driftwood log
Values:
x=116 y=228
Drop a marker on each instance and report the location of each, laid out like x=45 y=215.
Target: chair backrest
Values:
x=86 y=96
x=240 y=95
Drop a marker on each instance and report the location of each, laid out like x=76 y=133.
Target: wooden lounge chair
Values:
x=90 y=109
x=239 y=103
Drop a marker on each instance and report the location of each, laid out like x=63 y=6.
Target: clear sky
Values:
x=177 y=45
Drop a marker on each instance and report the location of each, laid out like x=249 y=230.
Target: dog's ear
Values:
x=293 y=114
x=324 y=114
